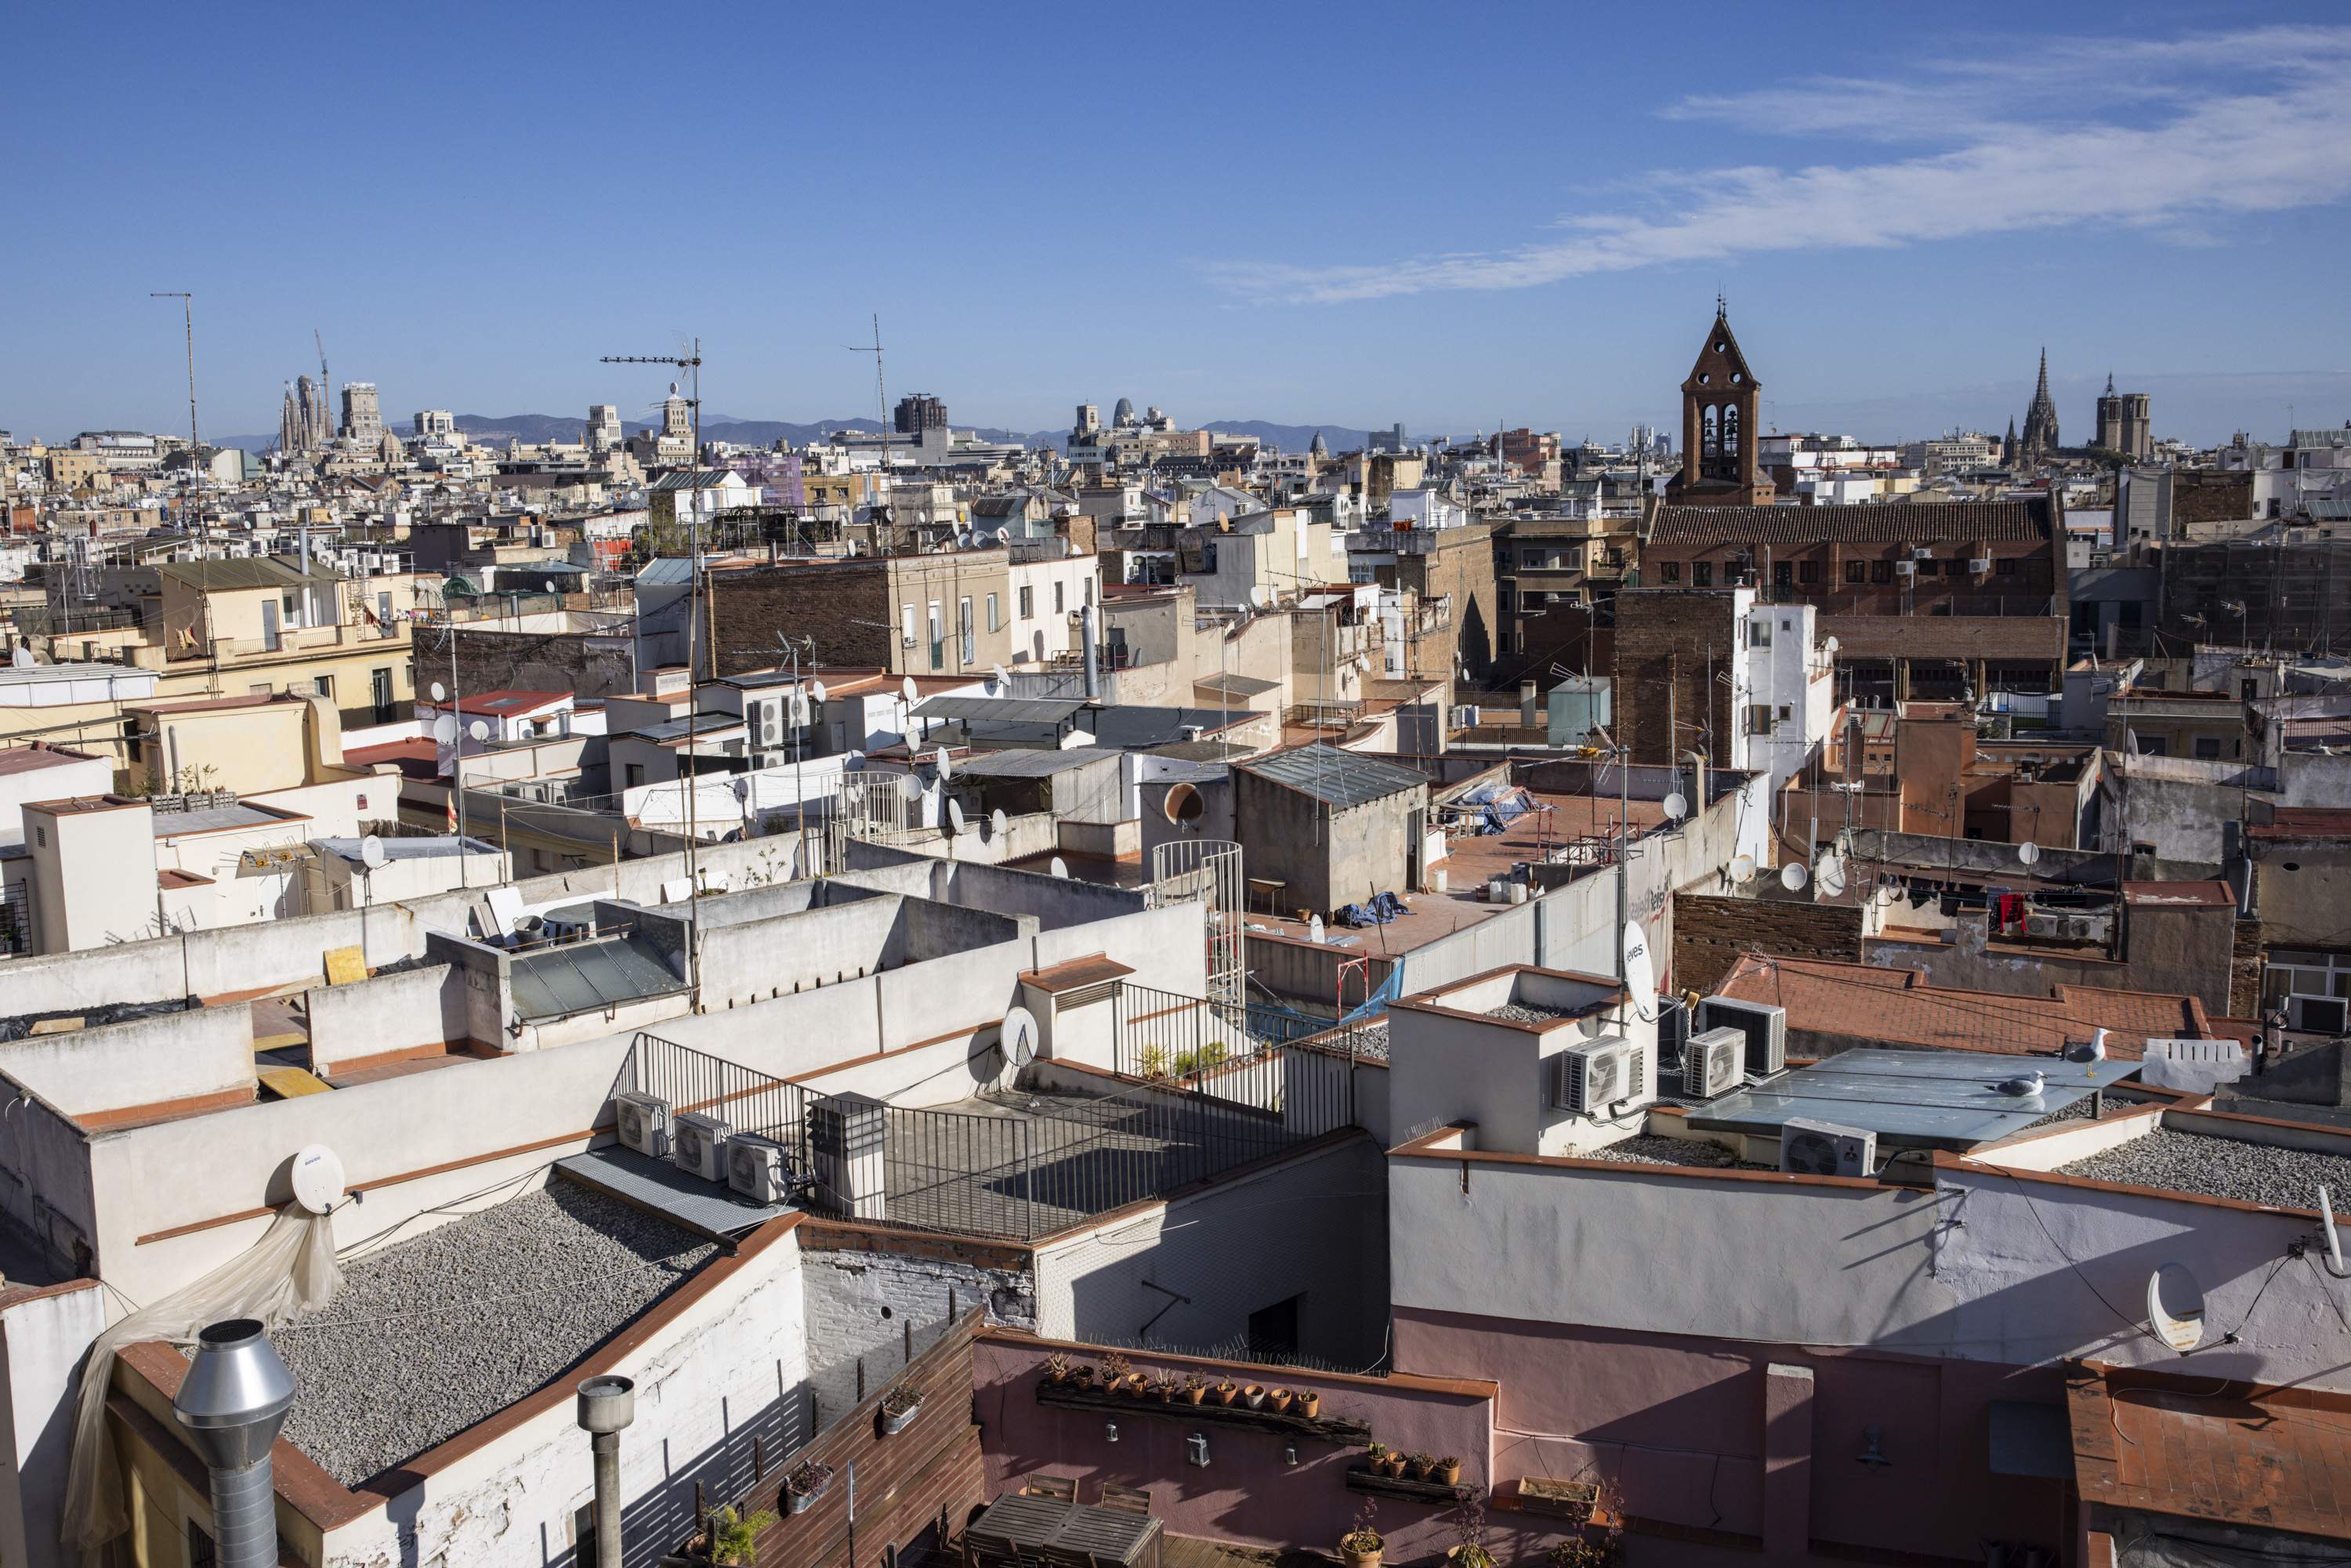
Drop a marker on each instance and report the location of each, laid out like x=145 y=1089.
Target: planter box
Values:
x=1432 y=1494
x=895 y=1421
x=801 y=1501
x=1325 y=1429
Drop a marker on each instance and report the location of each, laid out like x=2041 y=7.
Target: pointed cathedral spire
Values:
x=2040 y=419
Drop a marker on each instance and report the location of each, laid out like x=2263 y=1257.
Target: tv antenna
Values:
x=188 y=321
x=881 y=390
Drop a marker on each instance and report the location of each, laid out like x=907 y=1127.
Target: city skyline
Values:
x=2134 y=201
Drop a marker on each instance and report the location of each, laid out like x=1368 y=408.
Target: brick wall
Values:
x=1664 y=640
x=906 y=1482
x=2245 y=971
x=2211 y=498
x=861 y=1287
x=843 y=605
x=524 y=661
x=1710 y=933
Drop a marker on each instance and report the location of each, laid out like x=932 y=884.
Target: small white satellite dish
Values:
x=854 y=762
x=1793 y=876
x=1831 y=876
x=816 y=690
x=1060 y=867
x=1017 y=1035
x=318 y=1178
x=1830 y=647
x=742 y=789
x=2175 y=1307
x=445 y=728
x=1676 y=807
x=1260 y=596
x=2029 y=853
x=2326 y=1231
x=371 y=853
x=1002 y=679
x=996 y=820
x=940 y=761
x=955 y=816
x=906 y=689
x=1640 y=974
x=909 y=787
x=1742 y=869
x=440 y=691
x=478 y=730
x=1314 y=929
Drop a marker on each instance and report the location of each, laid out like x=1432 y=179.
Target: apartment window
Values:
x=1783 y=573
x=1763 y=633
x=1060 y=605
x=323 y=685
x=1701 y=574
x=995 y=614
x=906 y=625
x=2006 y=566
x=1881 y=572
x=2208 y=748
x=380 y=690
x=1784 y=711
x=964 y=628
x=1808 y=571
x=633 y=775
x=201 y=1551
x=1669 y=571
x=1028 y=603
x=1855 y=571
x=1086 y=587
x=1927 y=567
x=130 y=740
x=939 y=638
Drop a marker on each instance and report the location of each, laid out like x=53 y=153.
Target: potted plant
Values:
x=1082 y=1376
x=899 y=1408
x=1253 y=1395
x=1153 y=1062
x=1113 y=1373
x=1375 y=1457
x=1194 y=1389
x=734 y=1537
x=1057 y=1367
x=805 y=1484
x=1392 y=1466
x=1361 y=1546
x=1279 y=1399
x=1164 y=1385
x=1226 y=1391
x=1447 y=1470
x=1469 y=1550
x=1309 y=1402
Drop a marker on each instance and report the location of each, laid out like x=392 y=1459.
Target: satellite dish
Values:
x=1314 y=929
x=742 y=788
x=2029 y=853
x=371 y=853
x=2326 y=1230
x=816 y=690
x=1183 y=805
x=1060 y=867
x=1260 y=596
x=906 y=689
x=1002 y=679
x=1676 y=807
x=910 y=788
x=1640 y=974
x=940 y=761
x=1830 y=647
x=440 y=691
x=1742 y=869
x=955 y=816
x=996 y=823
x=2175 y=1307
x=1793 y=876
x=318 y=1178
x=445 y=728
x=1017 y=1035
x=854 y=762
x=478 y=730
x=1831 y=876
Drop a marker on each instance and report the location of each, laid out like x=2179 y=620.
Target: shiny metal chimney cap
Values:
x=607 y=1404
x=235 y=1395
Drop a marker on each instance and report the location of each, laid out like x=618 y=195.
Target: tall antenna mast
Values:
x=881 y=405
x=188 y=318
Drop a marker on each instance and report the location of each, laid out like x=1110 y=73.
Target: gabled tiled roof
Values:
x=1894 y=522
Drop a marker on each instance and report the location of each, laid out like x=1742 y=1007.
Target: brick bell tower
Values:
x=1719 y=427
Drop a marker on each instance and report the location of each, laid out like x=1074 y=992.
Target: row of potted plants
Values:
x=1115 y=1376
x=1414 y=1467
x=1363 y=1546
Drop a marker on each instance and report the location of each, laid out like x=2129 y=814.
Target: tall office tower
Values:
x=362 y=414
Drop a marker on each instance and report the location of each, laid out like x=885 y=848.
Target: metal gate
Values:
x=1208 y=871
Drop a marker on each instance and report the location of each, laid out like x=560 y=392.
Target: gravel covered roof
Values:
x=426 y=1338
x=2178 y=1161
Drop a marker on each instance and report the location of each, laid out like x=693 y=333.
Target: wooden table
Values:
x=1058 y=1531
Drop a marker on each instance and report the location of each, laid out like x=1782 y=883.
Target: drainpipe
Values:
x=231 y=1404
x=1086 y=629
x=607 y=1405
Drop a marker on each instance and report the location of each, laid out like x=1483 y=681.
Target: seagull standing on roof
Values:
x=2023 y=1088
x=2091 y=1049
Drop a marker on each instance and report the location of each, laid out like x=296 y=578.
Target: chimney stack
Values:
x=231 y=1404
x=607 y=1405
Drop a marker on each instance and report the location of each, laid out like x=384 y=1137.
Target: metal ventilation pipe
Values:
x=607 y=1405
x=231 y=1404
x=1086 y=628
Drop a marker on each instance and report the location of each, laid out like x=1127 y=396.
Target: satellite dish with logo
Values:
x=1314 y=929
x=1060 y=867
x=1742 y=869
x=371 y=853
x=1002 y=679
x=440 y=691
x=445 y=728
x=1793 y=876
x=478 y=730
x=996 y=820
x=1018 y=1034
x=940 y=761
x=955 y=816
x=2029 y=853
x=1831 y=877
x=1676 y=807
x=2175 y=1307
x=1640 y=974
x=318 y=1178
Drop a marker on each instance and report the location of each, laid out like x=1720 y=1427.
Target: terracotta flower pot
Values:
x=1279 y=1400
x=1194 y=1396
x=1355 y=1558
x=1309 y=1403
x=1451 y=1475
x=1224 y=1393
x=1393 y=1466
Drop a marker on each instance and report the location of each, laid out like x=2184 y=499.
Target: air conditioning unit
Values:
x=2043 y=925
x=1922 y=553
x=644 y=1123
x=1714 y=1064
x=771 y=722
x=1468 y=715
x=1823 y=1148
x=1765 y=1026
x=701 y=1145
x=1980 y=564
x=758 y=1168
x=1595 y=1076
x=1905 y=568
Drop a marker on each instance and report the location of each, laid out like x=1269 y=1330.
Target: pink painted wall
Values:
x=1680 y=1423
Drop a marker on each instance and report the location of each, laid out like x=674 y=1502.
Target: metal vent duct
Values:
x=231 y=1404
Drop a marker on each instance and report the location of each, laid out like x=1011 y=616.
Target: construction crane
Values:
x=326 y=387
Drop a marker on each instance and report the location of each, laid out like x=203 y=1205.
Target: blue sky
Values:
x=1347 y=214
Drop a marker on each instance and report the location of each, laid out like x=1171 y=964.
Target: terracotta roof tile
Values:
x=1895 y=523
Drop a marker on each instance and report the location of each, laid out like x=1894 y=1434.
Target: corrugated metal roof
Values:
x=999 y=710
x=669 y=570
x=1912 y=1099
x=250 y=572
x=1337 y=777
x=1891 y=522
x=695 y=723
x=1235 y=685
x=707 y=1209
x=1027 y=764
x=555 y=981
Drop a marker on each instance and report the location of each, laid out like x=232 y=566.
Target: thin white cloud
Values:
x=2078 y=132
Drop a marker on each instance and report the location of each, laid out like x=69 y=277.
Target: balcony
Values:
x=187 y=647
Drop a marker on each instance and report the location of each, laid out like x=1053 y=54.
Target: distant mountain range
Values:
x=536 y=429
